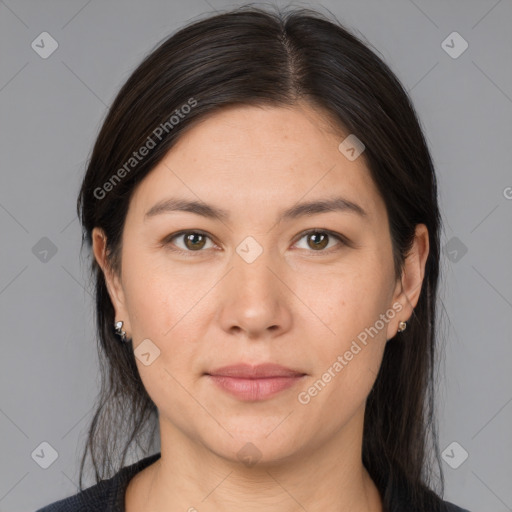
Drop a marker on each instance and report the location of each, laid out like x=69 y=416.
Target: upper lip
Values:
x=248 y=371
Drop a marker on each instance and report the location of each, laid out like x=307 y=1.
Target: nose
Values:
x=255 y=299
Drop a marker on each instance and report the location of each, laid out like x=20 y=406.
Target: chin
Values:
x=253 y=444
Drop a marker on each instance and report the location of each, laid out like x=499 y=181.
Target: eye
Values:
x=194 y=241
x=318 y=240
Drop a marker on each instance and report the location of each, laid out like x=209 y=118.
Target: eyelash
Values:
x=343 y=241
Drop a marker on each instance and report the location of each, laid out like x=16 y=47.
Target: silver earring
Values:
x=402 y=326
x=119 y=331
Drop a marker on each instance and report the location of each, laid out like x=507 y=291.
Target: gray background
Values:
x=51 y=110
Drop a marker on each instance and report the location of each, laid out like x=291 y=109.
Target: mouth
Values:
x=259 y=371
x=253 y=383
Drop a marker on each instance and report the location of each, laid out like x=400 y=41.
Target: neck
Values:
x=190 y=477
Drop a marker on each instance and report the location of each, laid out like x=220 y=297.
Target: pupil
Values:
x=314 y=237
x=190 y=238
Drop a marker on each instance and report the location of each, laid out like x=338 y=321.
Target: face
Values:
x=313 y=291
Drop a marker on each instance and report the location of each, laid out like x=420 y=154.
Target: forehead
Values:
x=255 y=157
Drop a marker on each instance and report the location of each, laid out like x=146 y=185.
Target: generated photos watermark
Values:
x=304 y=397
x=150 y=143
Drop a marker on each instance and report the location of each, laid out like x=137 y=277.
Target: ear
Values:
x=408 y=288
x=114 y=286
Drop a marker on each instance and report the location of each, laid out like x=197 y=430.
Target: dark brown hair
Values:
x=251 y=56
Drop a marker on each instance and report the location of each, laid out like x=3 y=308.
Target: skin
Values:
x=294 y=305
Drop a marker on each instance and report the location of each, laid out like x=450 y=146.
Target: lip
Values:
x=255 y=382
x=259 y=371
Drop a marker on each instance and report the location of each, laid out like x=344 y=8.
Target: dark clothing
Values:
x=108 y=495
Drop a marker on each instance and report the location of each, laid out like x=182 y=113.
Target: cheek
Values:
x=161 y=298
x=351 y=335
x=165 y=306
x=341 y=304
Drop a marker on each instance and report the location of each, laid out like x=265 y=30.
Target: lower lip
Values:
x=254 y=389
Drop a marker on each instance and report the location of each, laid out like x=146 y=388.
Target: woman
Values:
x=262 y=209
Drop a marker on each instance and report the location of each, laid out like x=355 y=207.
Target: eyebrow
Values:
x=338 y=204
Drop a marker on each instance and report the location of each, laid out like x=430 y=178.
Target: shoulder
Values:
x=96 y=496
x=106 y=496
x=403 y=496
x=450 y=507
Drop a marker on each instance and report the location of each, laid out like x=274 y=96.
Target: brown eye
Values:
x=191 y=241
x=194 y=241
x=319 y=239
